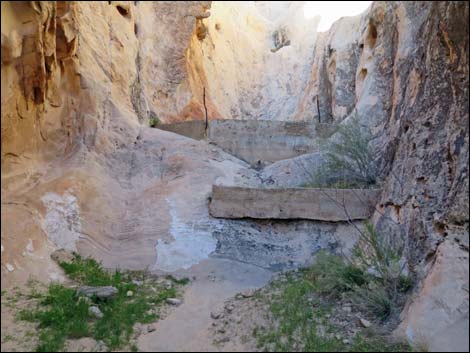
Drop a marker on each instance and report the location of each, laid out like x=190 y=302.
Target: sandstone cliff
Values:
x=403 y=67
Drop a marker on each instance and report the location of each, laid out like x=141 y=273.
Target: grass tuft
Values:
x=301 y=324
x=331 y=276
x=62 y=314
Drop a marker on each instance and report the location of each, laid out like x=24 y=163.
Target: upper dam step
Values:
x=258 y=142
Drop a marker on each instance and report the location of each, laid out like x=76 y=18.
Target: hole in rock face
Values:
x=332 y=71
x=49 y=61
x=440 y=228
x=62 y=8
x=201 y=30
x=330 y=51
x=280 y=39
x=363 y=74
x=62 y=47
x=38 y=95
x=124 y=12
x=371 y=35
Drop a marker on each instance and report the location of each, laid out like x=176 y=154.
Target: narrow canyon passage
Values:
x=191 y=139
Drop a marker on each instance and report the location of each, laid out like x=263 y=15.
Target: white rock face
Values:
x=192 y=243
x=246 y=80
x=62 y=220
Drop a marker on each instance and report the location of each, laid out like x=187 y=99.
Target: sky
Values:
x=330 y=11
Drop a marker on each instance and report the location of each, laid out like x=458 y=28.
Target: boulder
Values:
x=104 y=292
x=95 y=311
x=174 y=301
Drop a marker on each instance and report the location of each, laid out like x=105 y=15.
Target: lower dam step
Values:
x=332 y=205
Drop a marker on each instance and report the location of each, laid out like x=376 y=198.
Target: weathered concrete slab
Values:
x=254 y=141
x=263 y=141
x=292 y=203
x=195 y=129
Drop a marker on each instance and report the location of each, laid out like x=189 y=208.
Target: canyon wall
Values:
x=171 y=80
x=70 y=71
x=402 y=67
x=257 y=57
x=67 y=67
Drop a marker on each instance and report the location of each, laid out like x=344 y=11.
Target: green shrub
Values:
x=374 y=275
x=331 y=275
x=298 y=316
x=182 y=281
x=297 y=321
x=90 y=272
x=383 y=255
x=379 y=253
x=374 y=300
x=363 y=343
x=349 y=160
x=154 y=121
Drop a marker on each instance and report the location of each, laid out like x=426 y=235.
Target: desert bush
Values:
x=373 y=276
x=379 y=254
x=301 y=306
x=382 y=257
x=349 y=160
x=375 y=300
x=154 y=121
x=331 y=275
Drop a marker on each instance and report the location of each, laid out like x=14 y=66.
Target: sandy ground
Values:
x=188 y=328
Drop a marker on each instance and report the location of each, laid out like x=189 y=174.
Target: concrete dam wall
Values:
x=257 y=142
